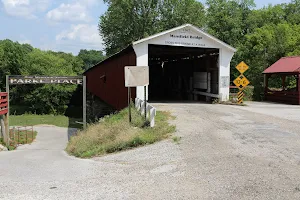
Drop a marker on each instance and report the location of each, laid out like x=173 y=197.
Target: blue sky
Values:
x=59 y=25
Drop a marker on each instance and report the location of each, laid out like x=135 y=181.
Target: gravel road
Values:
x=226 y=152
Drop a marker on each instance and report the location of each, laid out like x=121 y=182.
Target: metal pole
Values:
x=145 y=98
x=129 y=104
x=84 y=102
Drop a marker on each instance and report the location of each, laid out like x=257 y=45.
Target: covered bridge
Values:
x=287 y=68
x=185 y=63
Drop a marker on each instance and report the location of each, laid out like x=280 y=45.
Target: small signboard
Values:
x=241 y=82
x=136 y=76
x=242 y=67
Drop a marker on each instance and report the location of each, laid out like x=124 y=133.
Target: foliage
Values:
x=90 y=57
x=114 y=133
x=126 y=21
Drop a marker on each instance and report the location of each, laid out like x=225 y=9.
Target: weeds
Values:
x=114 y=133
x=176 y=139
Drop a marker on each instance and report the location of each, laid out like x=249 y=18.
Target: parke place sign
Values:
x=21 y=80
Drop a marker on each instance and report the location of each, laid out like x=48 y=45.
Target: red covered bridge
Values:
x=287 y=67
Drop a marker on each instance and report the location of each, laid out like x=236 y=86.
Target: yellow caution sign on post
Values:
x=241 y=81
x=242 y=67
x=240 y=97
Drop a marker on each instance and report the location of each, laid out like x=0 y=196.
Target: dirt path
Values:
x=226 y=152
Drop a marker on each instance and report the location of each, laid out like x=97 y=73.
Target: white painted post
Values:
x=152 y=116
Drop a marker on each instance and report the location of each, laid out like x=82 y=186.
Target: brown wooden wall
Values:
x=111 y=89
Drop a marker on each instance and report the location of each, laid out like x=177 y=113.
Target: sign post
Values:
x=241 y=81
x=136 y=76
x=129 y=103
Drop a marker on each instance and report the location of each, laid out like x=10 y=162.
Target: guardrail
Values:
x=151 y=111
x=3 y=103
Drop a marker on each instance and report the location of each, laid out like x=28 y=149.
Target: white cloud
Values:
x=77 y=11
x=24 y=41
x=25 y=8
x=81 y=36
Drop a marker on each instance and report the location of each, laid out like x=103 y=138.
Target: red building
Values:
x=284 y=68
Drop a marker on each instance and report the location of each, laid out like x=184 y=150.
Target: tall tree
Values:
x=293 y=12
x=129 y=20
x=90 y=57
x=227 y=20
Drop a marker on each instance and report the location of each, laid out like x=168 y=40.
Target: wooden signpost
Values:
x=241 y=81
x=136 y=76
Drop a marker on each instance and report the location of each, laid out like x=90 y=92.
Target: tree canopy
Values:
x=90 y=57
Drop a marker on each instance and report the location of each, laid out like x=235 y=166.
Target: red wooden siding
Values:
x=3 y=103
x=106 y=80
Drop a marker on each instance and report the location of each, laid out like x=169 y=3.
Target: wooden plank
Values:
x=207 y=94
x=3 y=105
x=3 y=112
x=3 y=101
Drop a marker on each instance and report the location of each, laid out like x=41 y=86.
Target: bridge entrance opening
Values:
x=183 y=73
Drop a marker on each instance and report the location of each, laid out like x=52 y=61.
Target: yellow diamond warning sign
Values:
x=242 y=67
x=241 y=82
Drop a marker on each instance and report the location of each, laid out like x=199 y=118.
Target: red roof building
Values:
x=286 y=66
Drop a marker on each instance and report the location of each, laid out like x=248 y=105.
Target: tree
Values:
x=292 y=11
x=265 y=46
x=90 y=57
x=12 y=59
x=129 y=20
x=45 y=99
x=227 y=20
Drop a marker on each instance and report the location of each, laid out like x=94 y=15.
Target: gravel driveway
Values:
x=226 y=152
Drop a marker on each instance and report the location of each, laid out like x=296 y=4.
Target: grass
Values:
x=114 y=133
x=176 y=139
x=21 y=137
x=32 y=120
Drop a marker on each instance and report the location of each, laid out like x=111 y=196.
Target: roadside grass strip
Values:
x=114 y=133
x=32 y=120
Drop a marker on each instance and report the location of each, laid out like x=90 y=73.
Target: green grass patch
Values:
x=32 y=120
x=114 y=133
x=176 y=139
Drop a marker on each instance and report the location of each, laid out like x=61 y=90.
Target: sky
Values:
x=60 y=25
